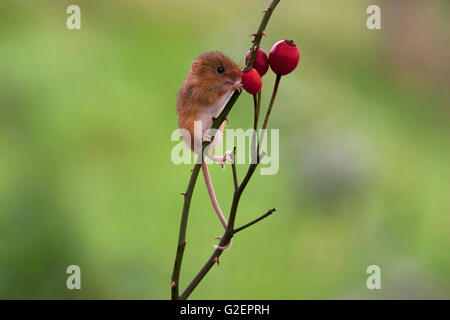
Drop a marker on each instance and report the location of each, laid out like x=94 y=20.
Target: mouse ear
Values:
x=195 y=66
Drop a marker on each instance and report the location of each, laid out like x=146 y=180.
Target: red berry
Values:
x=284 y=57
x=261 y=62
x=251 y=80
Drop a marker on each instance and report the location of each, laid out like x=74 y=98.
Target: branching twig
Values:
x=265 y=215
x=237 y=193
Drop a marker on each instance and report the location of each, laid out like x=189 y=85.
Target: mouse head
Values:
x=215 y=69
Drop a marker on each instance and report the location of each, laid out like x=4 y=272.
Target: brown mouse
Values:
x=212 y=79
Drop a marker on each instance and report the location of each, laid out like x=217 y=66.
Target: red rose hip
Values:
x=284 y=57
x=261 y=61
x=251 y=80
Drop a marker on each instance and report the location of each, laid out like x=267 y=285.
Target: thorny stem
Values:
x=194 y=175
x=259 y=34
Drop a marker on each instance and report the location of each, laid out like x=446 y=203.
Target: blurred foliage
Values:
x=86 y=177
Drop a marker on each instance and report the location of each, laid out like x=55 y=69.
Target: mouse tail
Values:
x=212 y=195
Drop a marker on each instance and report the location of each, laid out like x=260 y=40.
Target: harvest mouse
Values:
x=212 y=79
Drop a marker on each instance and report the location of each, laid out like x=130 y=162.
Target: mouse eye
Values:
x=221 y=69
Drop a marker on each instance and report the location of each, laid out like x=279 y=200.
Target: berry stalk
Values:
x=269 y=109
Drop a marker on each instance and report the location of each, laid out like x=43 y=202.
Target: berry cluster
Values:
x=283 y=59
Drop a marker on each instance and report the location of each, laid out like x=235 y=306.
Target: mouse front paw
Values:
x=238 y=87
x=206 y=137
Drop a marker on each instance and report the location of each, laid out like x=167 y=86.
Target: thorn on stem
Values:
x=183 y=193
x=216 y=260
x=269 y=8
x=256 y=33
x=173 y=284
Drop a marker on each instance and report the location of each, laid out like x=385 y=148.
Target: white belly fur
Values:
x=213 y=111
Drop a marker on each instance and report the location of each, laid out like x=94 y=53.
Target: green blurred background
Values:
x=86 y=176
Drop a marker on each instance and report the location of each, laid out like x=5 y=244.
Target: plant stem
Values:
x=182 y=233
x=254 y=153
x=269 y=109
x=259 y=108
x=259 y=34
x=233 y=167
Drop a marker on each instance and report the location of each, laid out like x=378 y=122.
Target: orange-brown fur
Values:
x=203 y=86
